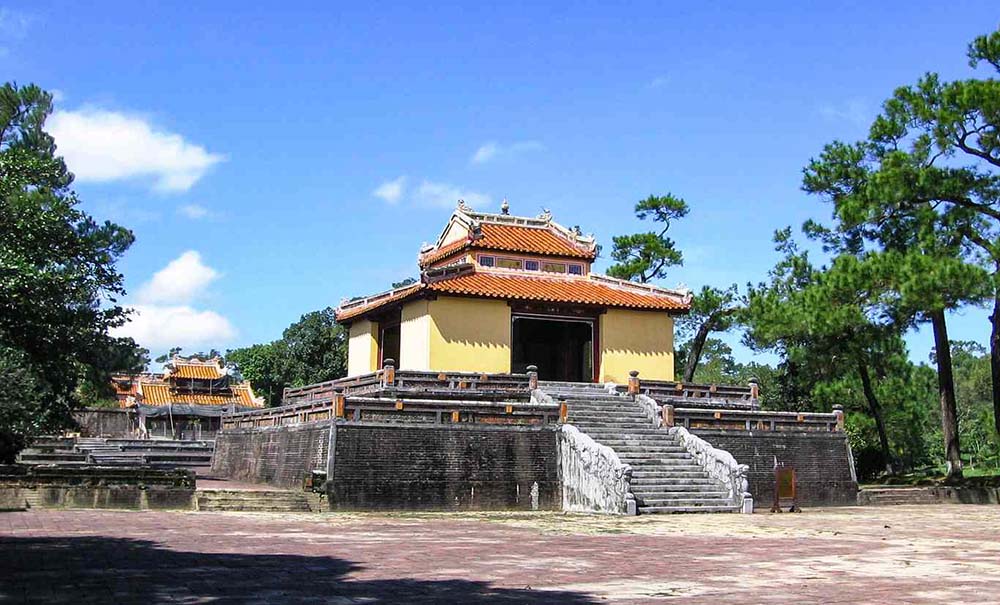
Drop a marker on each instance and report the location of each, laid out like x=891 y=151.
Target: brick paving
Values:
x=907 y=554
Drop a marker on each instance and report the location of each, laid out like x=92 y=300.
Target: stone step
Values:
x=637 y=415
x=635 y=434
x=647 y=497
x=649 y=510
x=647 y=448
x=661 y=486
x=651 y=456
x=697 y=500
x=668 y=474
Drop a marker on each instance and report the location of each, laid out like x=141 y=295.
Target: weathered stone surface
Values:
x=444 y=467
x=821 y=460
x=281 y=456
x=919 y=555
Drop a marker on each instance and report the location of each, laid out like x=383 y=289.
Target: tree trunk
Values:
x=946 y=389
x=697 y=344
x=995 y=359
x=876 y=410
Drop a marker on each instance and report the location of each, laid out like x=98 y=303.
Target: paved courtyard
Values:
x=929 y=554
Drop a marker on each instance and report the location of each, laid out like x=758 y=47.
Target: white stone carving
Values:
x=594 y=479
x=719 y=464
x=651 y=409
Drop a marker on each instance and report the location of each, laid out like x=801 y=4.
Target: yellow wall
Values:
x=469 y=335
x=415 y=336
x=636 y=340
x=362 y=348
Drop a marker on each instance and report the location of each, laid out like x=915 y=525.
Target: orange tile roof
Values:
x=195 y=369
x=161 y=394
x=515 y=238
x=592 y=290
x=574 y=290
x=358 y=307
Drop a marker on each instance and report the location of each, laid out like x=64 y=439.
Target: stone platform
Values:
x=903 y=554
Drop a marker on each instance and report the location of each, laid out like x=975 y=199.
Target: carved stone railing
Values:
x=594 y=478
x=651 y=408
x=720 y=465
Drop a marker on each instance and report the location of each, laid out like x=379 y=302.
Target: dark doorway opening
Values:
x=388 y=342
x=563 y=349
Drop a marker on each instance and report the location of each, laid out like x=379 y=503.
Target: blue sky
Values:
x=272 y=160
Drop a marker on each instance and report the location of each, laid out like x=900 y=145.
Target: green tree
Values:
x=819 y=321
x=888 y=194
x=261 y=365
x=712 y=310
x=313 y=349
x=960 y=121
x=645 y=257
x=58 y=282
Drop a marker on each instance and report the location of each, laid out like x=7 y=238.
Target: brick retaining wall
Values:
x=281 y=456
x=445 y=467
x=821 y=460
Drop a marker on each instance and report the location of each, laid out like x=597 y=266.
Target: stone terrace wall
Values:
x=105 y=422
x=281 y=456
x=444 y=467
x=822 y=463
x=72 y=486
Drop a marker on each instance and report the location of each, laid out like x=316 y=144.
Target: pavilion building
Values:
x=187 y=400
x=498 y=293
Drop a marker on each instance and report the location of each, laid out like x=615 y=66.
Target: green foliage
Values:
x=313 y=349
x=712 y=310
x=645 y=257
x=58 y=282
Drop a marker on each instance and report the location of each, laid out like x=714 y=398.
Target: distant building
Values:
x=186 y=401
x=498 y=293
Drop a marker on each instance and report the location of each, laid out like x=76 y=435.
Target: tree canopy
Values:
x=59 y=285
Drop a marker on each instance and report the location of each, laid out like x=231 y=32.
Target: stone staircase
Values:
x=119 y=452
x=258 y=501
x=890 y=495
x=665 y=478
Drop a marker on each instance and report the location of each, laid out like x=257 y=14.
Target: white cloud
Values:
x=193 y=211
x=492 y=150
x=855 y=111
x=391 y=191
x=182 y=280
x=159 y=327
x=163 y=316
x=485 y=153
x=446 y=196
x=658 y=82
x=103 y=146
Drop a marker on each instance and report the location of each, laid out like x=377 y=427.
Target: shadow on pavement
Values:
x=116 y=570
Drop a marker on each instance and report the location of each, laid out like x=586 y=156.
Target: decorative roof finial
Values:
x=462 y=206
x=505 y=207
x=546 y=215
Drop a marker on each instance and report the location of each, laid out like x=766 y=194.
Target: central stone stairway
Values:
x=665 y=478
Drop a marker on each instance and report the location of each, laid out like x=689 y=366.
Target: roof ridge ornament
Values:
x=462 y=206
x=505 y=207
x=546 y=215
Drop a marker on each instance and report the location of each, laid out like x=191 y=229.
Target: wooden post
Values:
x=532 y=377
x=633 y=383
x=838 y=411
x=667 y=411
x=563 y=412
x=754 y=392
x=338 y=405
x=388 y=373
